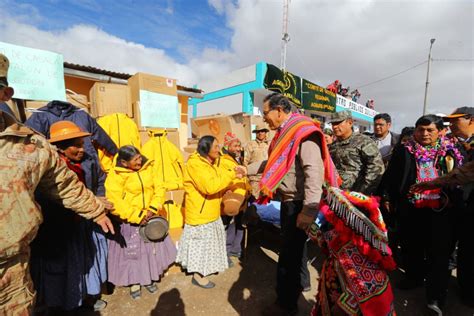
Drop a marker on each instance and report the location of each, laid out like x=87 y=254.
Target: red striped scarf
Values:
x=282 y=153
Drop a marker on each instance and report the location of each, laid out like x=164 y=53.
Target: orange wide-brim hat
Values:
x=64 y=130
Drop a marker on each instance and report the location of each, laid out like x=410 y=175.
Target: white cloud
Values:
x=88 y=45
x=218 y=5
x=354 y=41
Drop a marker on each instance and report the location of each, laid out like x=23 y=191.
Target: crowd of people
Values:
x=369 y=202
x=354 y=95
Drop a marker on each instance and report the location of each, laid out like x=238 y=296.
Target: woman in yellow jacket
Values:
x=202 y=248
x=132 y=187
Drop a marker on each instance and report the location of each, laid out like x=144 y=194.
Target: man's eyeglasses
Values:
x=265 y=113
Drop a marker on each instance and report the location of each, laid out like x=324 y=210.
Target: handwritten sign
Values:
x=159 y=110
x=317 y=98
x=35 y=74
x=283 y=82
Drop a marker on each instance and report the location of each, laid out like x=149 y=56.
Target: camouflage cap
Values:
x=328 y=131
x=4 y=64
x=340 y=116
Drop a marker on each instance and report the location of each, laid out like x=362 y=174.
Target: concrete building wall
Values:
x=234 y=78
x=228 y=105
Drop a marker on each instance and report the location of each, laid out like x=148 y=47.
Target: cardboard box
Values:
x=31 y=106
x=152 y=83
x=219 y=124
x=78 y=100
x=175 y=195
x=174 y=137
x=143 y=81
x=144 y=137
x=108 y=98
x=190 y=148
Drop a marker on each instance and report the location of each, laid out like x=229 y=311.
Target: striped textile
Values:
x=282 y=153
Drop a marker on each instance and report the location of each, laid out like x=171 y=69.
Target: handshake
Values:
x=240 y=172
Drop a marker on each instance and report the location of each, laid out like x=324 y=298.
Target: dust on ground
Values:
x=248 y=287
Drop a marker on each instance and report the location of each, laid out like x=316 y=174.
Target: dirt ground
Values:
x=247 y=288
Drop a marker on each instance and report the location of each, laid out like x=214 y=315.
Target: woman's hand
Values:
x=149 y=214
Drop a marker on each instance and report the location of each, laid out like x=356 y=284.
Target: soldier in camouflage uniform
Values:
x=257 y=150
x=356 y=156
x=28 y=162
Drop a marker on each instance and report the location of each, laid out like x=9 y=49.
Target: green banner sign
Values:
x=285 y=83
x=316 y=98
x=35 y=74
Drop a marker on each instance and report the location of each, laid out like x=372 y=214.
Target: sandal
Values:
x=134 y=292
x=151 y=288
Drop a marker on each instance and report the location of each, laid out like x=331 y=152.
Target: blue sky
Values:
x=355 y=41
x=180 y=27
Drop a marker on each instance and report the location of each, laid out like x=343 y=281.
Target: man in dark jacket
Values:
x=384 y=138
x=426 y=220
x=55 y=111
x=462 y=127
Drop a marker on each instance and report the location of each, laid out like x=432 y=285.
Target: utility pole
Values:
x=428 y=76
x=285 y=36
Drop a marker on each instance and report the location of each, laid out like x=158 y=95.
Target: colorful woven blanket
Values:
x=282 y=153
x=354 y=234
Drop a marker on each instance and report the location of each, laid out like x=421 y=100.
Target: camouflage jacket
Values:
x=28 y=162
x=358 y=162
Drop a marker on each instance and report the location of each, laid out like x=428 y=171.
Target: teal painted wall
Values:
x=245 y=88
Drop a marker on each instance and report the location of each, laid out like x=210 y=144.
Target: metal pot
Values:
x=155 y=229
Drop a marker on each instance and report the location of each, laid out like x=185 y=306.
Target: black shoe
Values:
x=235 y=254
x=467 y=300
x=434 y=308
x=209 y=284
x=409 y=284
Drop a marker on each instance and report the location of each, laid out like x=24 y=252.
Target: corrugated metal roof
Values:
x=117 y=75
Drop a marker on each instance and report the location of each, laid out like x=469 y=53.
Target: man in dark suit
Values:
x=384 y=138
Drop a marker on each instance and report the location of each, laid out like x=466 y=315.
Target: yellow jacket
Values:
x=239 y=186
x=205 y=184
x=122 y=130
x=134 y=192
x=169 y=162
